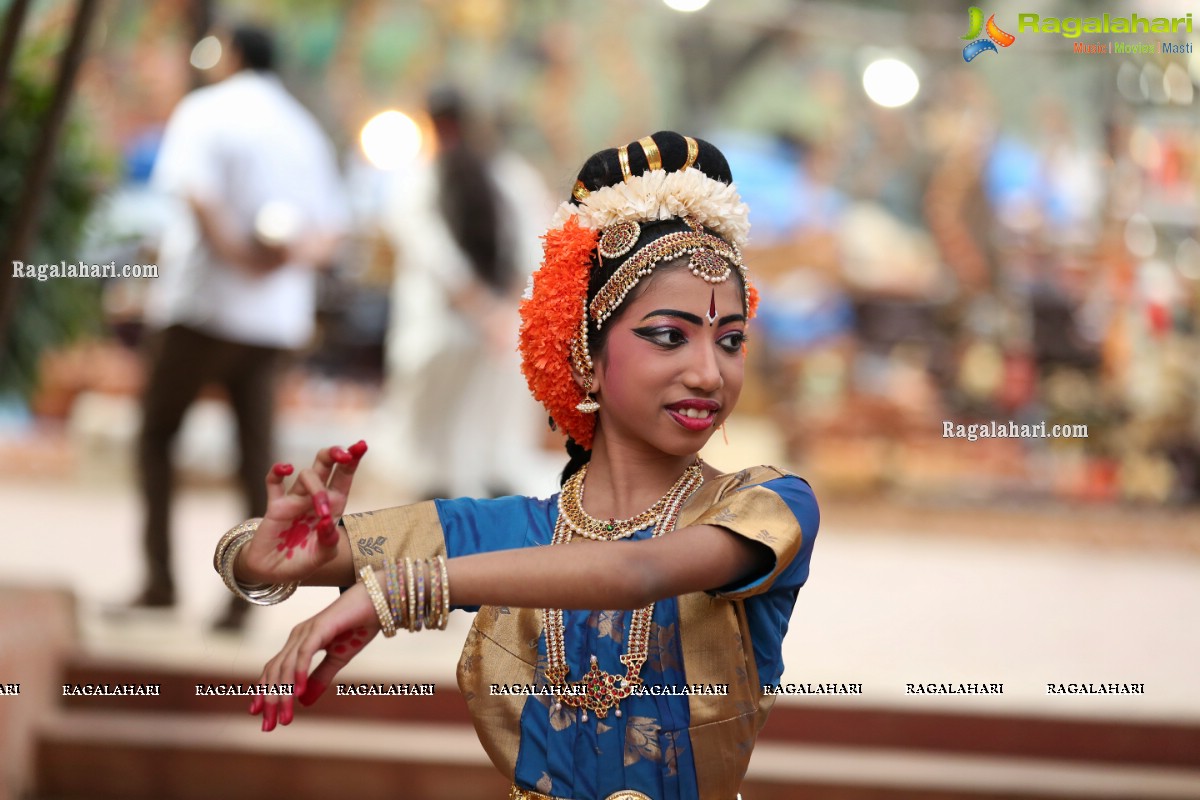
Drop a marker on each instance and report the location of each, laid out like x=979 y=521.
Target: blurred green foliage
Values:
x=47 y=313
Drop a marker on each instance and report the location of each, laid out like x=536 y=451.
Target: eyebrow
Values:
x=692 y=318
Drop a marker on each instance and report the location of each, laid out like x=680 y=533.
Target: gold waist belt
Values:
x=517 y=793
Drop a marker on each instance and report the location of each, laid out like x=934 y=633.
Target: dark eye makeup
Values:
x=668 y=337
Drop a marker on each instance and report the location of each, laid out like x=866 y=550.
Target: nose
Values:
x=703 y=373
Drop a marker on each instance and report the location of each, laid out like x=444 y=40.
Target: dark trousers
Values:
x=181 y=362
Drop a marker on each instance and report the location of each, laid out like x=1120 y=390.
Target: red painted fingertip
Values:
x=358 y=449
x=285 y=713
x=327 y=532
x=340 y=455
x=301 y=683
x=270 y=717
x=321 y=504
x=256 y=705
x=282 y=470
x=312 y=693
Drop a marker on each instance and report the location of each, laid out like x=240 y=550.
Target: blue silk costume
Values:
x=670 y=746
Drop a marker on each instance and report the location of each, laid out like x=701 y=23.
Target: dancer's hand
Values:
x=342 y=630
x=298 y=534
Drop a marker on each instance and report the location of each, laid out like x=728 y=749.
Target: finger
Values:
x=301 y=682
x=275 y=478
x=312 y=691
x=294 y=662
x=323 y=464
x=343 y=476
x=256 y=705
x=321 y=678
x=309 y=688
x=285 y=710
x=327 y=533
x=338 y=653
x=314 y=485
x=270 y=716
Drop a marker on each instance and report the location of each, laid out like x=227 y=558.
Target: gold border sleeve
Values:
x=760 y=515
x=412 y=531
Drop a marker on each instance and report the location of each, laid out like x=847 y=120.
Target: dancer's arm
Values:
x=609 y=575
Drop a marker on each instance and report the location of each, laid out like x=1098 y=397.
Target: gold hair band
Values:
x=693 y=152
x=653 y=158
x=580 y=192
x=623 y=157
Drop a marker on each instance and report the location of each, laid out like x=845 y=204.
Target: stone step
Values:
x=138 y=756
x=1130 y=742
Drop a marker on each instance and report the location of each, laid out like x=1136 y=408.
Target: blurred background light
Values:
x=390 y=139
x=207 y=53
x=1152 y=83
x=1140 y=237
x=685 y=5
x=1187 y=259
x=278 y=222
x=1178 y=84
x=890 y=82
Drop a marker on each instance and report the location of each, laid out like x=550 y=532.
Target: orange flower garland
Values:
x=549 y=318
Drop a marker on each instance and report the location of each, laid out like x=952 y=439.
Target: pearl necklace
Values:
x=599 y=691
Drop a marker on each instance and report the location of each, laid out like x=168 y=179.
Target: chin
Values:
x=687 y=444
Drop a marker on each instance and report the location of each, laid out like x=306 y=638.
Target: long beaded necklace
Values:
x=597 y=690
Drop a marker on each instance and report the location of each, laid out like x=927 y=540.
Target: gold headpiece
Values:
x=712 y=260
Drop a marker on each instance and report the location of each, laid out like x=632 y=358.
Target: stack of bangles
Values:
x=404 y=602
x=261 y=594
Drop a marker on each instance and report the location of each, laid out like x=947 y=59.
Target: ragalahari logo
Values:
x=995 y=35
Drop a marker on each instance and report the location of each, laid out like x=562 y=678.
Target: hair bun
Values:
x=604 y=168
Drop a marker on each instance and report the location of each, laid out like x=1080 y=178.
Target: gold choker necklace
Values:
x=570 y=509
x=599 y=691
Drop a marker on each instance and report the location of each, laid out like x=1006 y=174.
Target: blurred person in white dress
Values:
x=466 y=227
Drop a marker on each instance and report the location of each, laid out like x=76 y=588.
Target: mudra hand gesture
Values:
x=298 y=534
x=342 y=630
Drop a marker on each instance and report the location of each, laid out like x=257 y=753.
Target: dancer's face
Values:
x=667 y=378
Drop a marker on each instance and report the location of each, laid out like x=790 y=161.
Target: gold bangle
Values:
x=422 y=600
x=225 y=556
x=432 y=603
x=387 y=622
x=623 y=157
x=445 y=593
x=393 y=588
x=580 y=192
x=693 y=152
x=411 y=581
x=653 y=157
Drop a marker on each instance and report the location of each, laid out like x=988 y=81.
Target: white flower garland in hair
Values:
x=659 y=195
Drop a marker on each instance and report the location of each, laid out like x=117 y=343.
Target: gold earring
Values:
x=588 y=404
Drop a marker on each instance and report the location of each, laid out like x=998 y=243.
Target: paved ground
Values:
x=897 y=595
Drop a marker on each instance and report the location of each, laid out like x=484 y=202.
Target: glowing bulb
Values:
x=890 y=82
x=390 y=139
x=686 y=6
